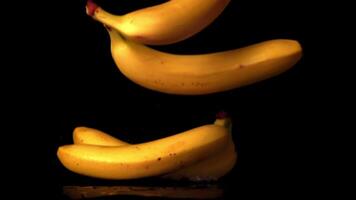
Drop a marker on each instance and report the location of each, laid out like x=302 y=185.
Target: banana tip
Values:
x=91 y=7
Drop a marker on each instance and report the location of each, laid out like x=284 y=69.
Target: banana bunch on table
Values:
x=203 y=153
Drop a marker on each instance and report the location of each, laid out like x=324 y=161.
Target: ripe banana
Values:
x=166 y=23
x=202 y=74
x=85 y=135
x=147 y=159
x=216 y=165
x=211 y=168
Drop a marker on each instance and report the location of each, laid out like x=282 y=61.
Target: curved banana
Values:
x=85 y=135
x=147 y=159
x=202 y=74
x=211 y=168
x=166 y=23
x=216 y=165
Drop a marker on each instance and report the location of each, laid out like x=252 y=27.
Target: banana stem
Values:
x=222 y=115
x=223 y=119
x=91 y=7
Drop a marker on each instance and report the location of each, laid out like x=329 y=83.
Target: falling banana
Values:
x=166 y=23
x=202 y=74
x=211 y=168
x=147 y=159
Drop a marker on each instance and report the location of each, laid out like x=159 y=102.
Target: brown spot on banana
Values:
x=199 y=84
x=158 y=82
x=172 y=154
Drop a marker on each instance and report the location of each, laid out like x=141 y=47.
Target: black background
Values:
x=74 y=82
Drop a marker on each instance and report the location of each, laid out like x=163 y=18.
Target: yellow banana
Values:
x=211 y=168
x=147 y=159
x=202 y=74
x=166 y=23
x=85 y=135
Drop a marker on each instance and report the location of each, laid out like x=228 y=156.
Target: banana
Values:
x=85 y=135
x=216 y=165
x=202 y=74
x=153 y=158
x=166 y=23
x=211 y=168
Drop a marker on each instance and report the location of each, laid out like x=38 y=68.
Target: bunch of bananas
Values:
x=203 y=153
